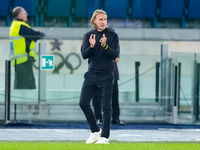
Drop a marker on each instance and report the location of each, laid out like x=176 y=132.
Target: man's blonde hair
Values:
x=96 y=12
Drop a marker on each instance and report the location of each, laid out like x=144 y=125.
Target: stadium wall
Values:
x=136 y=45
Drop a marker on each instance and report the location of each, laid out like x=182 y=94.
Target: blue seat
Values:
x=29 y=5
x=143 y=8
x=4 y=7
x=116 y=8
x=172 y=8
x=194 y=8
x=85 y=8
x=4 y=11
x=59 y=8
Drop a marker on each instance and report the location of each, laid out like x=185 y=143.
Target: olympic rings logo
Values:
x=65 y=61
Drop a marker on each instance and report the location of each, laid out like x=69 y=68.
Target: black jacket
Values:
x=98 y=58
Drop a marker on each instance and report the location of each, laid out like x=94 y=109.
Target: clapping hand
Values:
x=92 y=40
x=103 y=41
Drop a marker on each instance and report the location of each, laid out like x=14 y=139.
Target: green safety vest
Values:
x=18 y=45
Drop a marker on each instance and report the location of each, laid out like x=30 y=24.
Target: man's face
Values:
x=23 y=15
x=101 y=21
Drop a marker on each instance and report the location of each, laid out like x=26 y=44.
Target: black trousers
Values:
x=102 y=81
x=96 y=102
x=24 y=78
x=115 y=103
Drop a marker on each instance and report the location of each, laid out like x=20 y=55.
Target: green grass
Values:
x=80 y=145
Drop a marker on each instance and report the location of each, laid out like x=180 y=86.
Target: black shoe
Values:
x=99 y=122
x=118 y=122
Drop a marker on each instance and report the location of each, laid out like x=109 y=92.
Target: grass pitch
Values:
x=80 y=145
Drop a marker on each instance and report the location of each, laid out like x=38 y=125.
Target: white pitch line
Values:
x=129 y=135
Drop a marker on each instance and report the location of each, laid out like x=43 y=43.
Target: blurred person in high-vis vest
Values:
x=22 y=49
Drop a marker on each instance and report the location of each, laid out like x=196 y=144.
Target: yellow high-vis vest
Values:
x=18 y=45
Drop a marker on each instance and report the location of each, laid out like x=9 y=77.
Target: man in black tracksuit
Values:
x=101 y=47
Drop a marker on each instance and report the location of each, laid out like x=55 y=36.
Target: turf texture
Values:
x=80 y=145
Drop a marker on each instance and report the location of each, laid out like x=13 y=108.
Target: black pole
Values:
x=195 y=92
x=175 y=85
x=198 y=73
x=7 y=91
x=179 y=85
x=15 y=112
x=137 y=92
x=157 y=81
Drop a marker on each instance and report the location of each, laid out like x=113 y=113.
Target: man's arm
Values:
x=30 y=33
x=113 y=49
x=86 y=49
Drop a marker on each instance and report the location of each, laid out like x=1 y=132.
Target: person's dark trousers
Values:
x=94 y=81
x=96 y=101
x=115 y=102
x=24 y=78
